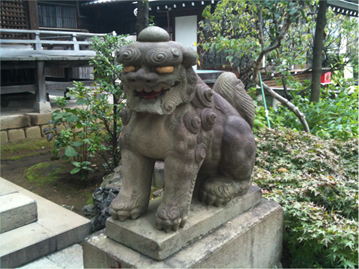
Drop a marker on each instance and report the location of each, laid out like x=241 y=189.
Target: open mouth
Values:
x=150 y=95
x=155 y=94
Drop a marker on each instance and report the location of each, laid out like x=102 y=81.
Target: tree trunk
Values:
x=142 y=16
x=317 y=51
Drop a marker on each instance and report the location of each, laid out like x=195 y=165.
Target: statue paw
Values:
x=218 y=192
x=170 y=218
x=122 y=210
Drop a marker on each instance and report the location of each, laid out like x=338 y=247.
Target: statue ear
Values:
x=189 y=57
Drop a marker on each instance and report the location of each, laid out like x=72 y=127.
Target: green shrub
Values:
x=94 y=127
x=315 y=181
x=335 y=116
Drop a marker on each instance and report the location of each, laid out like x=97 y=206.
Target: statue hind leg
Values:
x=235 y=169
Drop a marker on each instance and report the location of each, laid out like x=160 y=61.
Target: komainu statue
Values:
x=203 y=135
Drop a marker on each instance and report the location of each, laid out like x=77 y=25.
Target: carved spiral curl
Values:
x=200 y=152
x=125 y=115
x=192 y=122
x=168 y=106
x=208 y=118
x=191 y=76
x=203 y=97
x=128 y=55
x=159 y=57
x=177 y=55
x=188 y=93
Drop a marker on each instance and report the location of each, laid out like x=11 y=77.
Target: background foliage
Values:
x=335 y=116
x=316 y=183
x=92 y=128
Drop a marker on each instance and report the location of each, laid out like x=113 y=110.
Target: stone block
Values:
x=15 y=122
x=70 y=257
x=39 y=119
x=33 y=132
x=251 y=240
x=16 y=210
x=4 y=137
x=4 y=190
x=16 y=134
x=55 y=229
x=141 y=234
x=42 y=107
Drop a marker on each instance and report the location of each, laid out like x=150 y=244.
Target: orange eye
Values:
x=128 y=69
x=165 y=69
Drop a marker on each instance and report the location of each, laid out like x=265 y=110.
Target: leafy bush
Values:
x=93 y=127
x=315 y=181
x=335 y=116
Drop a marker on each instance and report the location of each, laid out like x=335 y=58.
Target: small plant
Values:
x=335 y=116
x=94 y=127
x=315 y=181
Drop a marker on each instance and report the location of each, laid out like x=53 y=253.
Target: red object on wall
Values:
x=326 y=77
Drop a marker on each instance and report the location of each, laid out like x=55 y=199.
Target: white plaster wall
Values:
x=186 y=31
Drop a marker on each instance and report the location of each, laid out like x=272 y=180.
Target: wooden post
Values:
x=38 y=44
x=76 y=46
x=41 y=105
x=33 y=15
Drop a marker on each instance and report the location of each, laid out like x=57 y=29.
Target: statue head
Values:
x=157 y=74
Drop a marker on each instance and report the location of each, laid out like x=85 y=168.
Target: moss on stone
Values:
x=47 y=172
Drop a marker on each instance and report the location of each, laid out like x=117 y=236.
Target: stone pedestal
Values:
x=245 y=233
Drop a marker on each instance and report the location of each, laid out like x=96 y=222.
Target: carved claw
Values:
x=122 y=211
x=170 y=218
x=218 y=192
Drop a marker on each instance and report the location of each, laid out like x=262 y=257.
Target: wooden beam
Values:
x=18 y=88
x=41 y=84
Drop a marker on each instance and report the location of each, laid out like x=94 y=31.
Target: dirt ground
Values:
x=64 y=189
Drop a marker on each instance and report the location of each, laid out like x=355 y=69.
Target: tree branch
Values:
x=287 y=104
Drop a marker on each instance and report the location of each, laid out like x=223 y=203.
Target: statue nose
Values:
x=144 y=76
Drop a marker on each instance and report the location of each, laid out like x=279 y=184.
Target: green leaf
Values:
x=70 y=151
x=75 y=170
x=76 y=144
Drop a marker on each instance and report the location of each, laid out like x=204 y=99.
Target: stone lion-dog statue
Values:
x=203 y=135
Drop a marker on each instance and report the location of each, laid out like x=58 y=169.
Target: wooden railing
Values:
x=54 y=43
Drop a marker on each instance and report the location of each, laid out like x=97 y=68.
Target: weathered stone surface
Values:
x=15 y=122
x=250 y=240
x=4 y=137
x=16 y=134
x=154 y=34
x=42 y=107
x=204 y=136
x=55 y=229
x=70 y=257
x=7 y=190
x=33 y=132
x=140 y=235
x=16 y=210
x=39 y=119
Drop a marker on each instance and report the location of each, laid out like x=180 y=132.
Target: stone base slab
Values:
x=251 y=240
x=16 y=210
x=141 y=234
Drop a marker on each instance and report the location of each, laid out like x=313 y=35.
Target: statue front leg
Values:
x=180 y=177
x=133 y=198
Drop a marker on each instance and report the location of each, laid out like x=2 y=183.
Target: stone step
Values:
x=56 y=228
x=16 y=210
x=141 y=234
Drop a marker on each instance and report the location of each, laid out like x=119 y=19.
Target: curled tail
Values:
x=232 y=89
